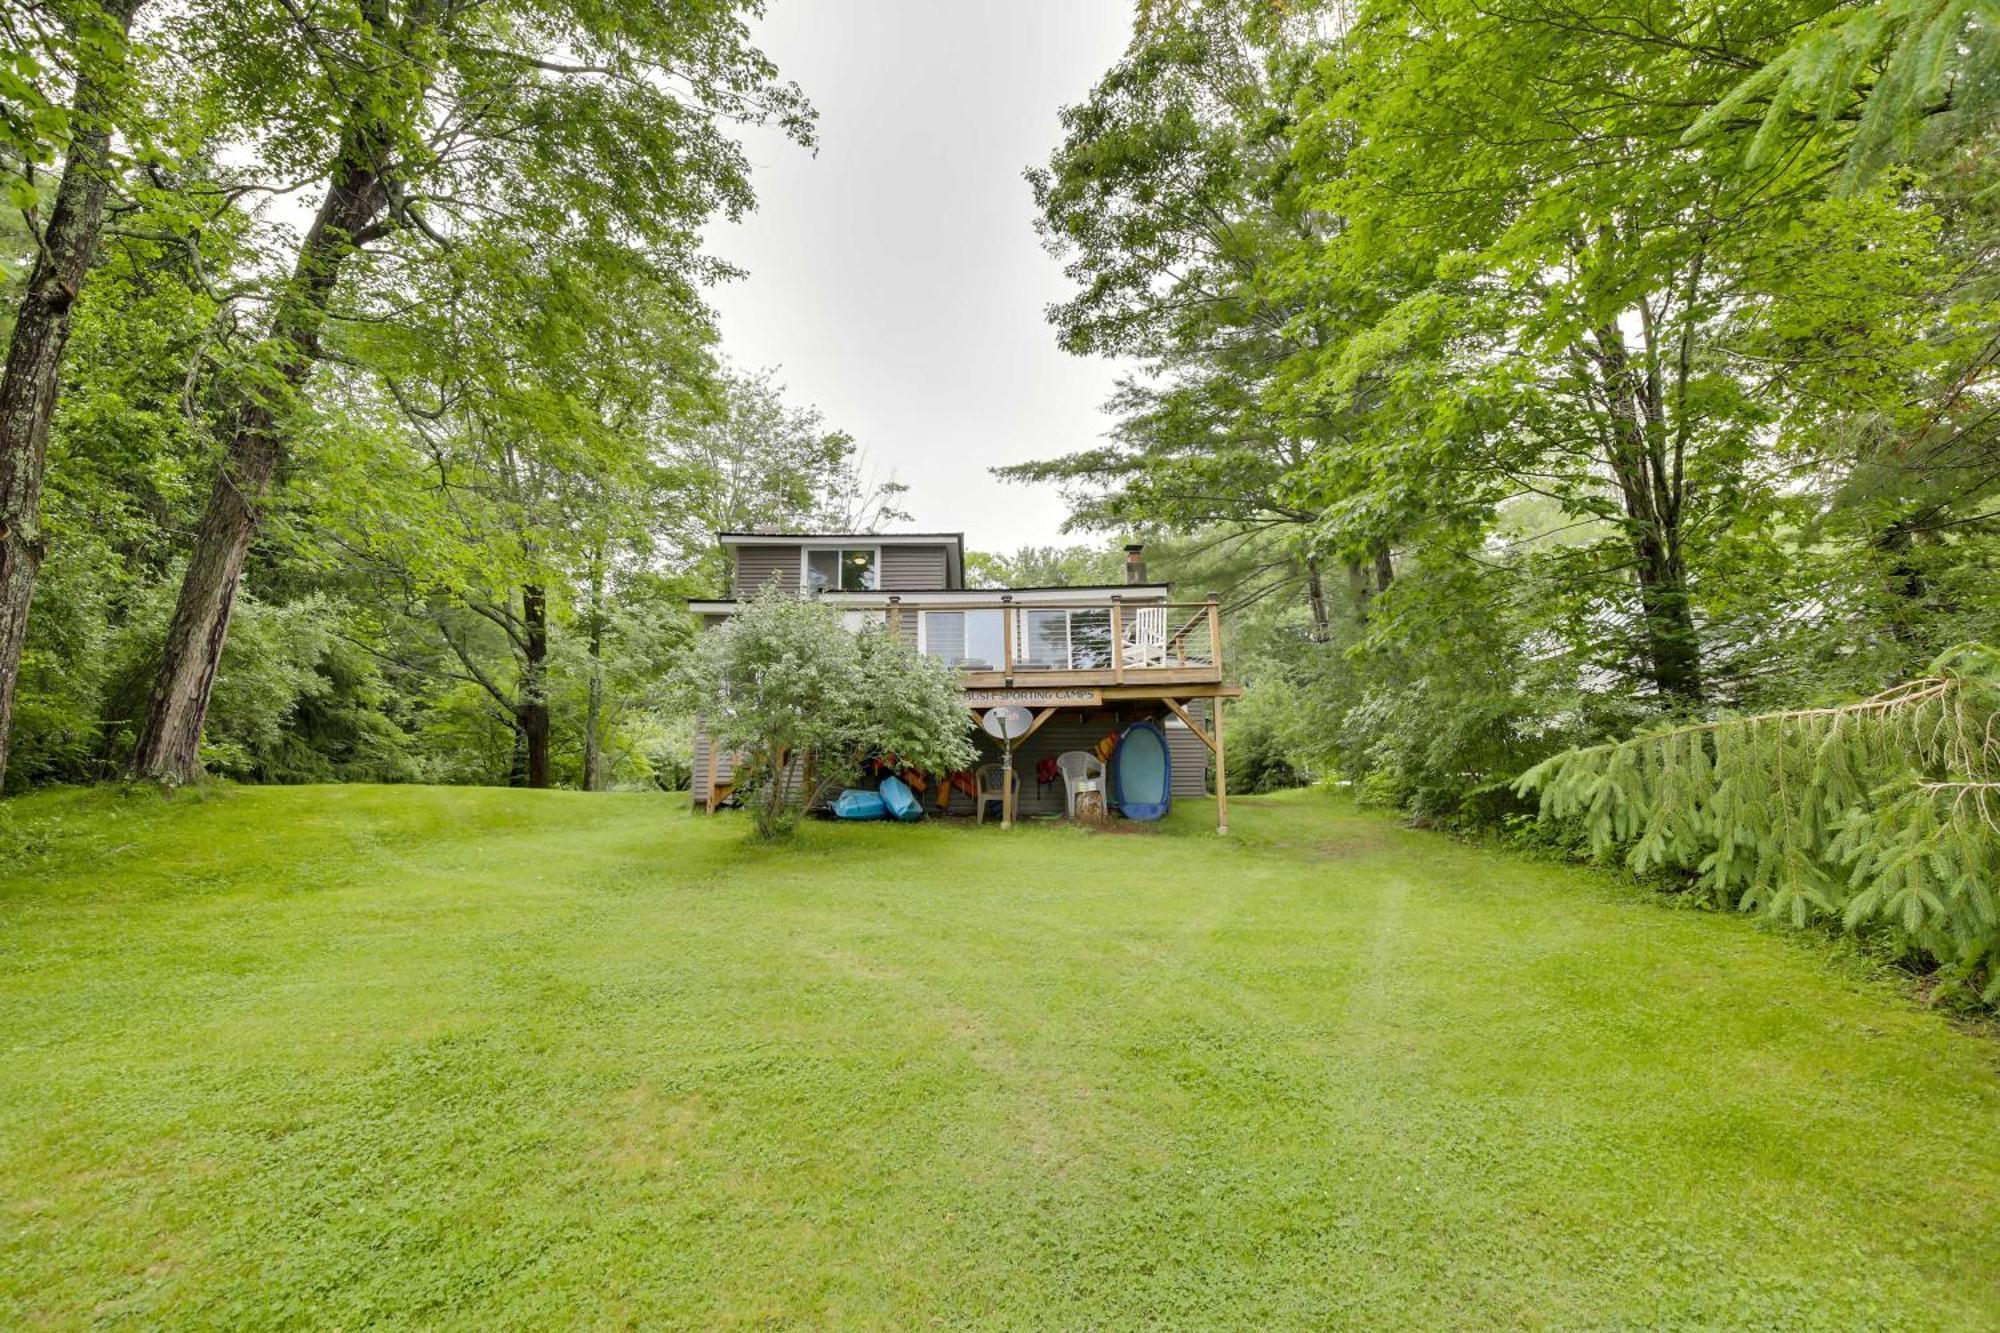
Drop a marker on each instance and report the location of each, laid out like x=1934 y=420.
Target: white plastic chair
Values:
x=1077 y=766
x=986 y=783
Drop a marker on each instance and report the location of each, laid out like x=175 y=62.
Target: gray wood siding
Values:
x=1073 y=731
x=1069 y=732
x=912 y=568
x=902 y=568
x=758 y=565
x=1190 y=762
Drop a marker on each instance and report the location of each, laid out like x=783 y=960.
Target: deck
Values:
x=1091 y=650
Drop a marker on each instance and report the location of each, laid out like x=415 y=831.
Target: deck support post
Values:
x=1221 y=775
x=1117 y=639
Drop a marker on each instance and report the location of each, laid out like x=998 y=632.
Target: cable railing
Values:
x=1107 y=640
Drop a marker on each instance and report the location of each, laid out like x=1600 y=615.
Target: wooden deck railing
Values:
x=1094 y=642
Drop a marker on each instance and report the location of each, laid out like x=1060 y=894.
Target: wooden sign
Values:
x=1035 y=698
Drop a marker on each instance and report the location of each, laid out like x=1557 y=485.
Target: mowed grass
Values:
x=350 y=1056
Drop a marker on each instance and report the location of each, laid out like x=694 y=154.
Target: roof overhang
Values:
x=869 y=538
x=1094 y=594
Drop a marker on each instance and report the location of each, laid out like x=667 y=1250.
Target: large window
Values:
x=975 y=640
x=1065 y=640
x=843 y=569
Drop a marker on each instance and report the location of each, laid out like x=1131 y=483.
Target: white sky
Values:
x=895 y=279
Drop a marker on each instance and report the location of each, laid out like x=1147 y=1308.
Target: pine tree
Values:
x=1881 y=815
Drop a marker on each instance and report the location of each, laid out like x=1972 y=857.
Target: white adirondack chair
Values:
x=1146 y=636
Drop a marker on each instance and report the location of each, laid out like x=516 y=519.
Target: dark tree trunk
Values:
x=169 y=746
x=1650 y=489
x=531 y=714
x=1672 y=647
x=517 y=764
x=1385 y=568
x=594 y=713
x=1316 y=599
x=1907 y=585
x=29 y=386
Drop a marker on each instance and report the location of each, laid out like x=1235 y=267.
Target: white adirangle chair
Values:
x=1078 y=766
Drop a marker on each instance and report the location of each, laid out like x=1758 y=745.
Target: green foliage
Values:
x=804 y=700
x=1259 y=748
x=1515 y=393
x=1886 y=67
x=1045 y=567
x=1882 y=816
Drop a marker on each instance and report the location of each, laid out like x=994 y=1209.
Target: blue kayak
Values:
x=902 y=803
x=856 y=804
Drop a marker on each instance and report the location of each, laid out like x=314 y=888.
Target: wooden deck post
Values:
x=1221 y=774
x=1215 y=639
x=1007 y=639
x=1117 y=639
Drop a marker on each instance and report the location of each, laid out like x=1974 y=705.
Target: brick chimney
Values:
x=1135 y=563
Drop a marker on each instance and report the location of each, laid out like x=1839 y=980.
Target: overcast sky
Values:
x=895 y=279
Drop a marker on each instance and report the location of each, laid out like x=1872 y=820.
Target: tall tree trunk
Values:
x=30 y=384
x=517 y=762
x=1385 y=567
x=594 y=713
x=169 y=746
x=1672 y=646
x=1907 y=586
x=1650 y=490
x=1316 y=599
x=532 y=712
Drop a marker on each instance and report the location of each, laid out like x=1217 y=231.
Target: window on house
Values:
x=1077 y=640
x=1090 y=640
x=1044 y=640
x=970 y=639
x=846 y=569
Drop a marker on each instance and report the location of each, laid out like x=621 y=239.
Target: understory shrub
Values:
x=790 y=689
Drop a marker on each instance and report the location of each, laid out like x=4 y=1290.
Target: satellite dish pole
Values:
x=1007 y=783
x=1007 y=724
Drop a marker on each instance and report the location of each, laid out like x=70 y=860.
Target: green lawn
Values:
x=352 y=1055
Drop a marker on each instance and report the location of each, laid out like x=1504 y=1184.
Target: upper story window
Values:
x=842 y=569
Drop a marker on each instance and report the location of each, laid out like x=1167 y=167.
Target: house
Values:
x=1087 y=660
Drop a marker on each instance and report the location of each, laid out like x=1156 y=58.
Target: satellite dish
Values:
x=1009 y=722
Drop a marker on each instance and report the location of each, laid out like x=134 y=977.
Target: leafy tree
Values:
x=447 y=134
x=1045 y=567
x=1608 y=409
x=85 y=42
x=757 y=461
x=1172 y=200
x=804 y=701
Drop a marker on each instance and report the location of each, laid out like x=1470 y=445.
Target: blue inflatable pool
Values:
x=1142 y=772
